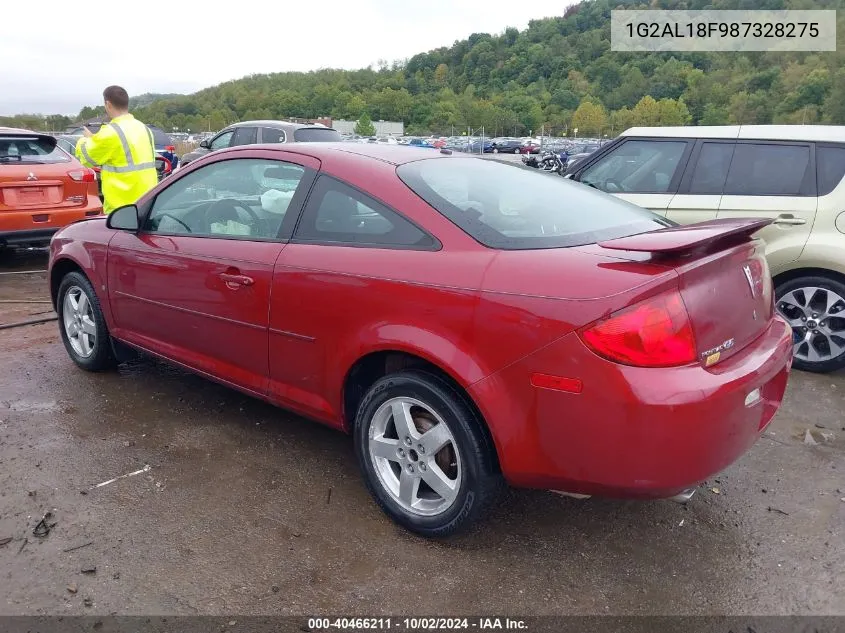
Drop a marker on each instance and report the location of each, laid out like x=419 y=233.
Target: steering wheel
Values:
x=613 y=185
x=175 y=219
x=230 y=204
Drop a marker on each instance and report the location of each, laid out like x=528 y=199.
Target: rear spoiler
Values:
x=682 y=239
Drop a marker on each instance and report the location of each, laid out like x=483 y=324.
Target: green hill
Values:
x=150 y=97
x=557 y=74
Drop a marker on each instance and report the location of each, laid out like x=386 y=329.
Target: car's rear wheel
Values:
x=815 y=309
x=425 y=459
x=82 y=324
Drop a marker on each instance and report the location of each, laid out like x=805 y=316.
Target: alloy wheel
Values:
x=78 y=319
x=817 y=318
x=415 y=456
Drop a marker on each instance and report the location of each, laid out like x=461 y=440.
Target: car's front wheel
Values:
x=815 y=309
x=424 y=456
x=82 y=324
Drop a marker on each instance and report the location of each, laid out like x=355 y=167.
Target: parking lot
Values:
x=248 y=509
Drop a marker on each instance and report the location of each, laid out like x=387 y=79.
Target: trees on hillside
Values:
x=539 y=78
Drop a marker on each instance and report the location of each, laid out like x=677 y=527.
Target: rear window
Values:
x=508 y=207
x=160 y=137
x=316 y=135
x=30 y=149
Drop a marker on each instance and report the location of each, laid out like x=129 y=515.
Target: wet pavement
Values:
x=246 y=509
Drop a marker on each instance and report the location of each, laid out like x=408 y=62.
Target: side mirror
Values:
x=205 y=144
x=124 y=218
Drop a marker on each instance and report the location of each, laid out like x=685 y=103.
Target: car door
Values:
x=774 y=180
x=325 y=288
x=700 y=191
x=272 y=135
x=194 y=285
x=222 y=140
x=644 y=171
x=245 y=136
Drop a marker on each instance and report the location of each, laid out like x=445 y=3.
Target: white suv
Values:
x=792 y=174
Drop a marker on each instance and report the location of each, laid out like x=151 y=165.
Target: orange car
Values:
x=42 y=188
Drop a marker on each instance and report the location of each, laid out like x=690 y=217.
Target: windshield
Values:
x=30 y=149
x=316 y=134
x=509 y=207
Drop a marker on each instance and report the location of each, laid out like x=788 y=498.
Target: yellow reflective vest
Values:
x=124 y=152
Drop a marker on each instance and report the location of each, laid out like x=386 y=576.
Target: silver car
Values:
x=254 y=132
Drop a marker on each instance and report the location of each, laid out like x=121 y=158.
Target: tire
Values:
x=466 y=462
x=804 y=303
x=84 y=331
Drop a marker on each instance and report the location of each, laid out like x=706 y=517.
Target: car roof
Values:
x=17 y=130
x=282 y=125
x=393 y=154
x=833 y=133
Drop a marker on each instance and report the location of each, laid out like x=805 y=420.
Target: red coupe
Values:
x=468 y=322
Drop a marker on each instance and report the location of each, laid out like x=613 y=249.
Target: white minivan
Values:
x=792 y=174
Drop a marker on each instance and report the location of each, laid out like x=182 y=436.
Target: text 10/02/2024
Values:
x=416 y=624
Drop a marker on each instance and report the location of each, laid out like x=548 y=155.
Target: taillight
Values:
x=654 y=333
x=82 y=175
x=170 y=148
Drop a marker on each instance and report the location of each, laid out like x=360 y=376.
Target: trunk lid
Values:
x=723 y=278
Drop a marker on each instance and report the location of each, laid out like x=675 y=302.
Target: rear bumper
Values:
x=632 y=432
x=36 y=237
x=36 y=227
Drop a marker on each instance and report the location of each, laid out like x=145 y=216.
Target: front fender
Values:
x=82 y=246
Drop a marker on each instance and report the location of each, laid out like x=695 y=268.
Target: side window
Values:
x=830 y=164
x=245 y=136
x=244 y=198
x=338 y=213
x=223 y=140
x=272 y=135
x=635 y=166
x=768 y=170
x=711 y=169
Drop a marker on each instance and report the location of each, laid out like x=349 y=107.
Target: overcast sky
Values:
x=186 y=45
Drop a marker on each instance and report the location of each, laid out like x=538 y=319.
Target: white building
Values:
x=383 y=128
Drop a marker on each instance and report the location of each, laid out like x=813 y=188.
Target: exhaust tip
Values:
x=684 y=496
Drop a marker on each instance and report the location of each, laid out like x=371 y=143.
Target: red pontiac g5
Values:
x=468 y=322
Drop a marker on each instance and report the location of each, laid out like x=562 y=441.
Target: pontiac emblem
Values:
x=747 y=270
x=32 y=176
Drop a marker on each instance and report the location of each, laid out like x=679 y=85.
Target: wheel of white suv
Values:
x=424 y=457
x=815 y=309
x=82 y=324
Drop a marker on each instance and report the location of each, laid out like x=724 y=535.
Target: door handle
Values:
x=233 y=280
x=789 y=220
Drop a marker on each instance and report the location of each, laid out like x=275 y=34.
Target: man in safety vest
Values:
x=123 y=150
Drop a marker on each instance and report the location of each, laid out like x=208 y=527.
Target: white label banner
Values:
x=758 y=30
